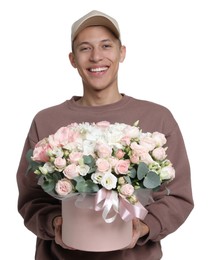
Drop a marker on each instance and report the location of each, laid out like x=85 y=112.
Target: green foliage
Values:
x=32 y=165
x=48 y=185
x=86 y=186
x=49 y=181
x=132 y=173
x=142 y=170
x=152 y=180
x=89 y=160
x=128 y=179
x=149 y=179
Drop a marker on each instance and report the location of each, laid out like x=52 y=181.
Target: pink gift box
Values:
x=85 y=229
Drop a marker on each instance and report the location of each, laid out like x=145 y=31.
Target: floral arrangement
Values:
x=85 y=158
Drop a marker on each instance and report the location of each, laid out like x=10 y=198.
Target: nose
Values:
x=96 y=55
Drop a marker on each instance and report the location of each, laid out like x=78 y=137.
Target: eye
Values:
x=106 y=46
x=85 y=48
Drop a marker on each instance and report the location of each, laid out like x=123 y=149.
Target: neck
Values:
x=99 y=100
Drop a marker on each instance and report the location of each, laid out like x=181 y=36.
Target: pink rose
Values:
x=146 y=158
x=148 y=142
x=113 y=161
x=60 y=137
x=103 y=150
x=138 y=149
x=127 y=190
x=119 y=154
x=75 y=157
x=159 y=153
x=71 y=171
x=40 y=152
x=122 y=166
x=59 y=163
x=102 y=165
x=63 y=136
x=142 y=151
x=63 y=187
x=134 y=158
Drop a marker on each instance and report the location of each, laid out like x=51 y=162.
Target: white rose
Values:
x=83 y=169
x=132 y=131
x=159 y=138
x=57 y=151
x=159 y=153
x=49 y=167
x=167 y=173
x=147 y=141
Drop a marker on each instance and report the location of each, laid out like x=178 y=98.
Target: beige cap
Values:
x=95 y=18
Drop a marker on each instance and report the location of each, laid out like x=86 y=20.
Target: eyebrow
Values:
x=102 y=41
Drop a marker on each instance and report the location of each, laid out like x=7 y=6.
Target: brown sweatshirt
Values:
x=171 y=205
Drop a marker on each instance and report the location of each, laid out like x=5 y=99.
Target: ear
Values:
x=122 y=53
x=72 y=59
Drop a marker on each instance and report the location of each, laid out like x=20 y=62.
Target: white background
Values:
x=167 y=62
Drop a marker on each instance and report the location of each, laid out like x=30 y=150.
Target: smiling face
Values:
x=96 y=55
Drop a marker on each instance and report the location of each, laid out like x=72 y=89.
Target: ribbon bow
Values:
x=111 y=203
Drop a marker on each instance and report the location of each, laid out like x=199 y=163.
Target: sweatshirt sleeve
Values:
x=37 y=208
x=174 y=201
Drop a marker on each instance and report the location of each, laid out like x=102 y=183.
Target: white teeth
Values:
x=98 y=69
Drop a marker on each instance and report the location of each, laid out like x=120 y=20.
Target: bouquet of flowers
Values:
x=101 y=157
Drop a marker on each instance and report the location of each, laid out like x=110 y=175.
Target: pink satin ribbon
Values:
x=111 y=203
x=108 y=202
x=129 y=211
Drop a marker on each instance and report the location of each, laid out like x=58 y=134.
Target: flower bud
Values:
x=133 y=199
x=37 y=172
x=43 y=170
x=121 y=180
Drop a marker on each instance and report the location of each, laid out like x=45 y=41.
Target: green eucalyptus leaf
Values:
x=32 y=165
x=89 y=160
x=29 y=154
x=92 y=170
x=127 y=178
x=152 y=180
x=79 y=179
x=28 y=169
x=48 y=186
x=132 y=173
x=142 y=170
x=86 y=187
x=56 y=176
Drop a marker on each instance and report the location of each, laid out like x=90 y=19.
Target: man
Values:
x=96 y=53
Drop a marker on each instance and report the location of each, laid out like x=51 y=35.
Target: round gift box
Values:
x=85 y=229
